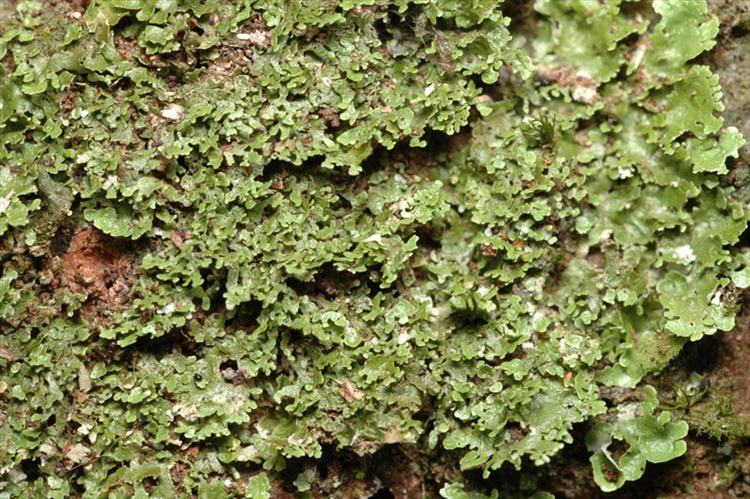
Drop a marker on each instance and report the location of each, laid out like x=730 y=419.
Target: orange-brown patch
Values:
x=96 y=265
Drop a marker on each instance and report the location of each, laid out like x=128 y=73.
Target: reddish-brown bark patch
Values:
x=734 y=371
x=96 y=265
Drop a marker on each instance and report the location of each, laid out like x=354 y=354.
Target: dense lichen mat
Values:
x=236 y=234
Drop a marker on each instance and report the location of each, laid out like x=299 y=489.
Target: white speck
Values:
x=5 y=202
x=674 y=184
x=76 y=15
x=46 y=449
x=488 y=231
x=685 y=254
x=227 y=482
x=606 y=234
x=584 y=94
x=256 y=37
x=626 y=412
x=624 y=173
x=461 y=208
x=77 y=453
x=247 y=453
x=167 y=309
x=429 y=89
x=111 y=181
x=83 y=158
x=716 y=299
x=262 y=432
x=173 y=112
x=638 y=54
x=84 y=113
x=524 y=229
x=403 y=338
x=375 y=238
x=527 y=345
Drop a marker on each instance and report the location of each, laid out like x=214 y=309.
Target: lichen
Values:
x=348 y=225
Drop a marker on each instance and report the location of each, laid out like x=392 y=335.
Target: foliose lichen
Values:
x=350 y=224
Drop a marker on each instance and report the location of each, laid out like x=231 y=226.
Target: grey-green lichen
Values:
x=224 y=248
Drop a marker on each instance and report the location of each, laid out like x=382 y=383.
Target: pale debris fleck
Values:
x=85 y=428
x=247 y=453
x=167 y=309
x=349 y=392
x=47 y=449
x=684 y=254
x=638 y=53
x=173 y=112
x=5 y=202
x=257 y=37
x=188 y=411
x=375 y=238
x=295 y=439
x=626 y=412
x=584 y=94
x=624 y=173
x=112 y=181
x=78 y=453
x=262 y=432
